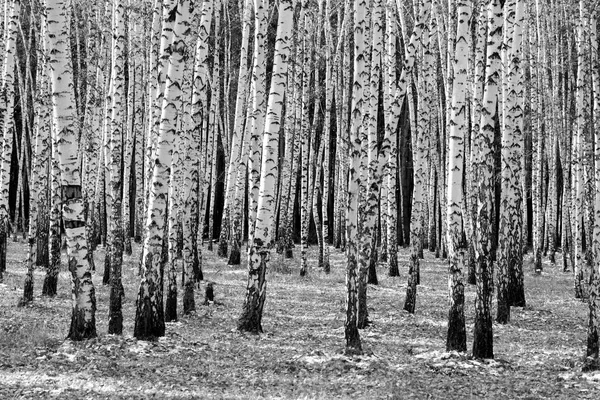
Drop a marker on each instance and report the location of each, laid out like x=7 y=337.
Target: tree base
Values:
x=483 y=338
x=149 y=321
x=80 y=328
x=591 y=364
x=209 y=294
x=372 y=276
x=197 y=269
x=115 y=318
x=149 y=314
x=393 y=266
x=411 y=299
x=27 y=292
x=251 y=318
x=235 y=257
x=326 y=266
x=171 y=306
x=517 y=295
x=411 y=287
x=503 y=312
x=189 y=303
x=222 y=248
x=353 y=350
x=537 y=262
x=50 y=285
x=353 y=343
x=289 y=253
x=456 y=339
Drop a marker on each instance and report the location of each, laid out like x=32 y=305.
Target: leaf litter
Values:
x=300 y=354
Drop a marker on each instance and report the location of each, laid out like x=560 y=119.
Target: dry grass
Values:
x=538 y=355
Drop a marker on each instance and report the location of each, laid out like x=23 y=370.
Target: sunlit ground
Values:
x=538 y=355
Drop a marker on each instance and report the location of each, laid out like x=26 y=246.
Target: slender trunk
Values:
x=7 y=94
x=457 y=336
x=83 y=320
x=115 y=317
x=482 y=335
x=251 y=318
x=149 y=320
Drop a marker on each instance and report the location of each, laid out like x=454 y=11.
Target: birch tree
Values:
x=39 y=166
x=509 y=246
x=7 y=93
x=149 y=319
x=251 y=318
x=64 y=115
x=359 y=81
x=115 y=318
x=483 y=338
x=594 y=281
x=457 y=337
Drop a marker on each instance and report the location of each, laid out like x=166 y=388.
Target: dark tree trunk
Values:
x=222 y=248
x=516 y=289
x=115 y=316
x=592 y=334
x=209 y=294
x=235 y=257
x=251 y=318
x=51 y=281
x=351 y=334
x=189 y=303
x=483 y=345
x=80 y=328
x=411 y=287
x=456 y=340
x=471 y=275
x=149 y=317
x=171 y=304
x=28 y=286
x=3 y=237
x=372 y=277
x=393 y=265
x=43 y=221
x=107 y=267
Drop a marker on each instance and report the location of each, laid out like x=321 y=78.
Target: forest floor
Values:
x=300 y=354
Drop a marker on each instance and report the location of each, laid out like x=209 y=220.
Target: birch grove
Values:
x=391 y=134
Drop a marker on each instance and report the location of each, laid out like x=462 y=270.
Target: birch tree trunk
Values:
x=149 y=320
x=64 y=113
x=259 y=82
x=238 y=131
x=307 y=67
x=577 y=158
x=477 y=91
x=421 y=144
x=194 y=223
x=38 y=189
x=457 y=335
x=483 y=146
x=115 y=317
x=392 y=109
x=7 y=93
x=594 y=281
x=251 y=318
x=359 y=81
x=509 y=243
